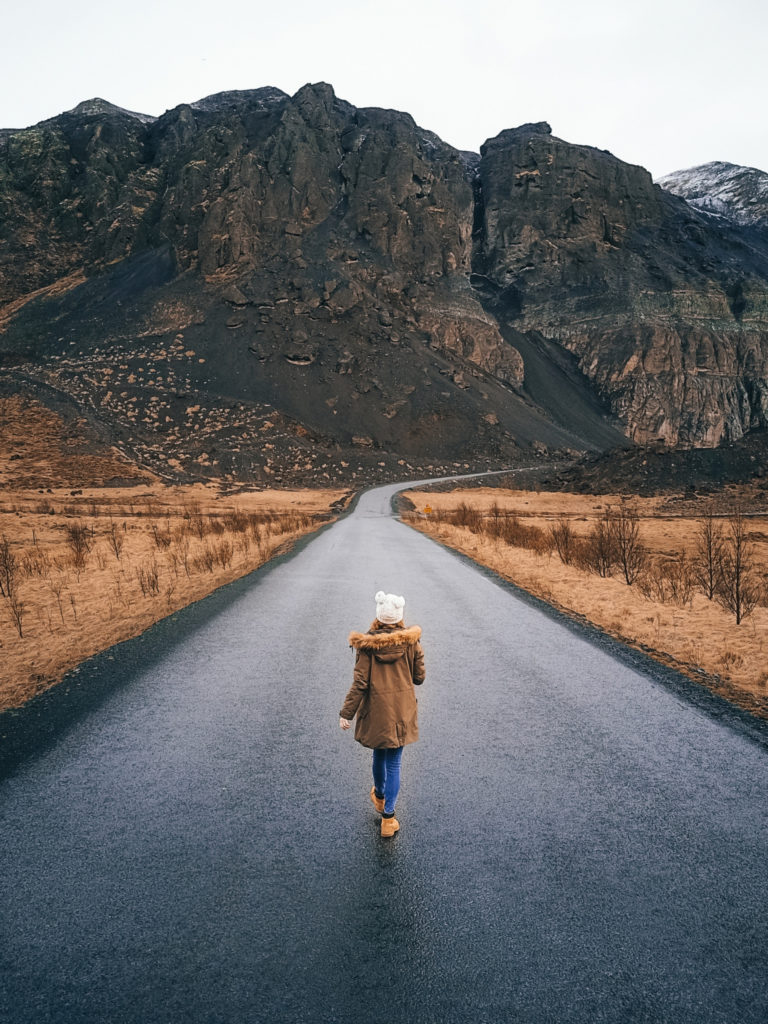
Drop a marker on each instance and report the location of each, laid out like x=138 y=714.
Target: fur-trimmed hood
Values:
x=402 y=636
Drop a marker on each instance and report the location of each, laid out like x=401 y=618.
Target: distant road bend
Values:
x=579 y=842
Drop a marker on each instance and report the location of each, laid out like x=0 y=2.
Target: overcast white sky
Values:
x=664 y=83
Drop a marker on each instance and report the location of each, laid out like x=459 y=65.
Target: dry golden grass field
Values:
x=93 y=550
x=664 y=611
x=91 y=570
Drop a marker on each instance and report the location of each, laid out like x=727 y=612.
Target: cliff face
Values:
x=666 y=312
x=255 y=255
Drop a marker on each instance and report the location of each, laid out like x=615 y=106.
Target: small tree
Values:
x=708 y=555
x=738 y=588
x=629 y=551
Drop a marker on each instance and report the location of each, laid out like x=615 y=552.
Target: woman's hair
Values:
x=377 y=625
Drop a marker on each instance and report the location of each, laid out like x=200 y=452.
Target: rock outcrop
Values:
x=666 y=312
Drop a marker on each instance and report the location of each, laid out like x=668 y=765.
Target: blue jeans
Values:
x=386 y=775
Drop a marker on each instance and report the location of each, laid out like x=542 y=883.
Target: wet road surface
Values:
x=191 y=839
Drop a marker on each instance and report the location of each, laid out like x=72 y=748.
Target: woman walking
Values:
x=389 y=662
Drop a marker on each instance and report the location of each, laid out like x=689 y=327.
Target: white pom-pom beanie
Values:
x=389 y=607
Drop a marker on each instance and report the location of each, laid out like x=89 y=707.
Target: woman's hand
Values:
x=344 y=723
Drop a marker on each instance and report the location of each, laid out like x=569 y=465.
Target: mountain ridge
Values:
x=351 y=271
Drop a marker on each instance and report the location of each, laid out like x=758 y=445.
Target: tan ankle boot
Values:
x=378 y=801
x=389 y=826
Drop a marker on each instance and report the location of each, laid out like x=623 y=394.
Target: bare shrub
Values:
x=467 y=516
x=199 y=525
x=678 y=580
x=162 y=538
x=224 y=552
x=599 y=551
x=629 y=552
x=563 y=540
x=668 y=580
x=17 y=609
x=148 y=577
x=79 y=540
x=205 y=560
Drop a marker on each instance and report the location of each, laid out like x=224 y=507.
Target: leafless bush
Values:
x=466 y=516
x=79 y=540
x=563 y=540
x=224 y=551
x=629 y=552
x=678 y=580
x=599 y=553
x=148 y=577
x=205 y=560
x=668 y=580
x=162 y=538
x=198 y=525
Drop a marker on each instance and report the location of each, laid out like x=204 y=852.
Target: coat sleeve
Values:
x=359 y=687
x=419 y=674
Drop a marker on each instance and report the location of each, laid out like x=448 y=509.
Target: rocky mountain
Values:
x=282 y=287
x=737 y=194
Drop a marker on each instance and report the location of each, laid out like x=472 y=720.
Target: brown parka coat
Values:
x=388 y=664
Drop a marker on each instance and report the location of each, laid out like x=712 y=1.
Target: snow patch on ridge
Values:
x=720 y=189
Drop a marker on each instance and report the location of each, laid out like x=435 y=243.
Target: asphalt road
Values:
x=189 y=837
